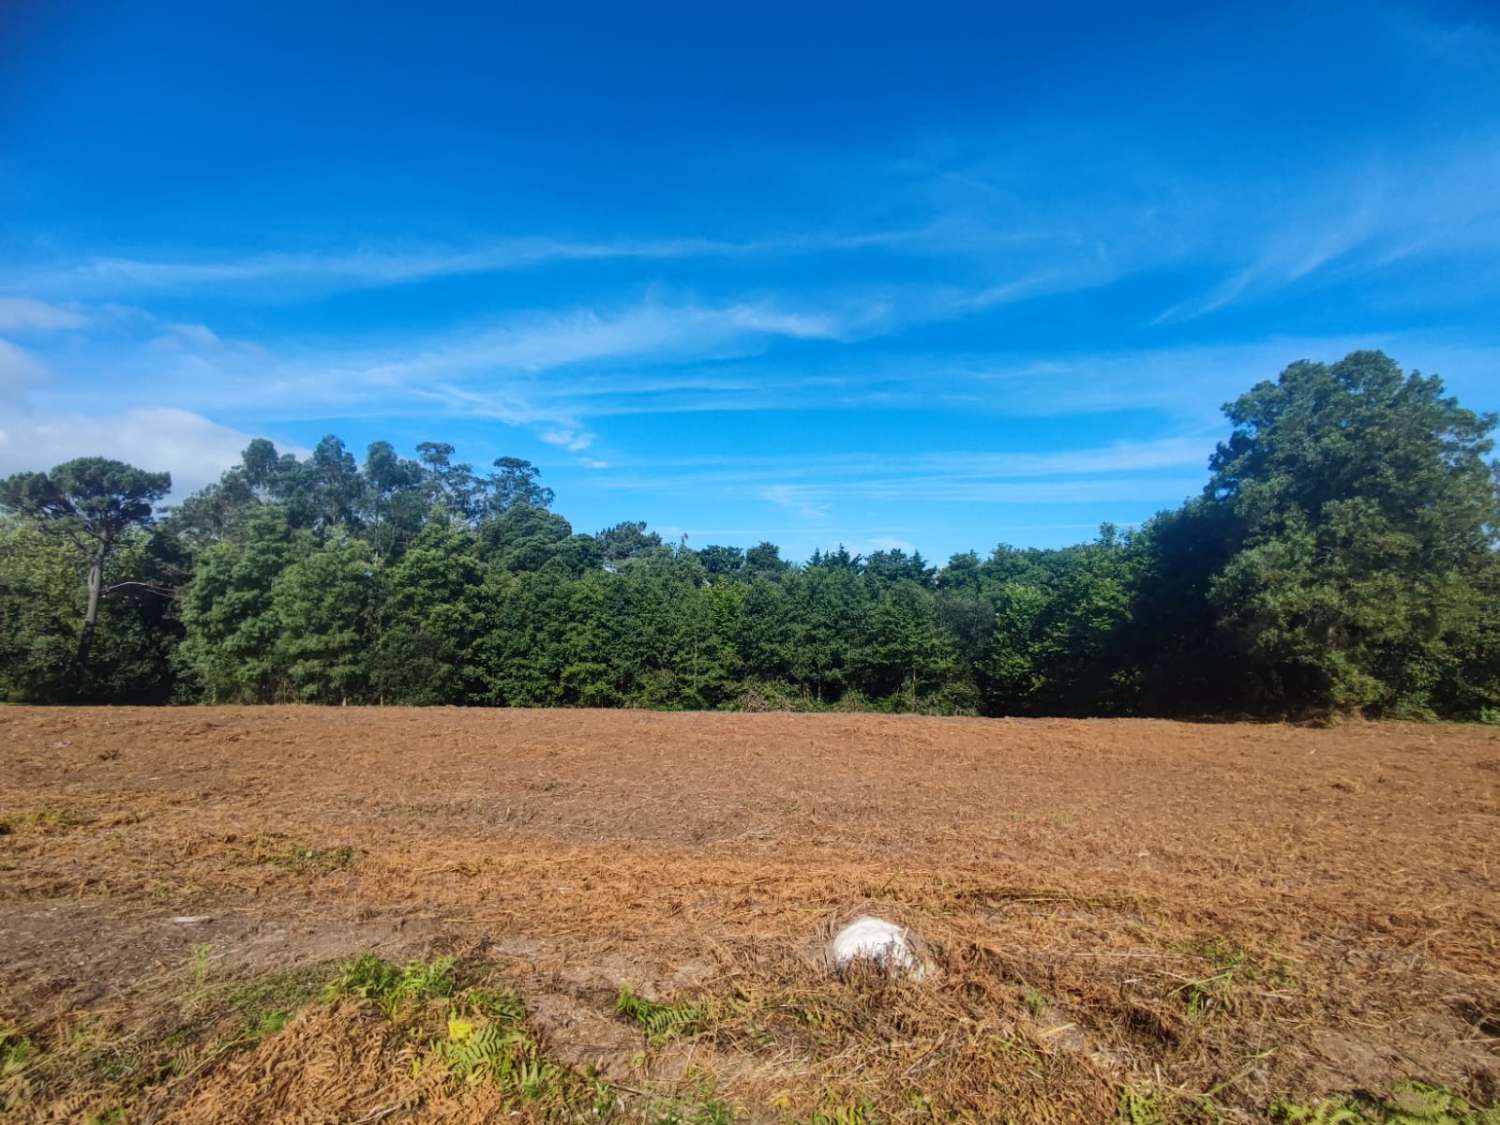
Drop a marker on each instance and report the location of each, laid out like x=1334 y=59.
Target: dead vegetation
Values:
x=401 y=915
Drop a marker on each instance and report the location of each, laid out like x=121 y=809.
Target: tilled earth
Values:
x=1191 y=921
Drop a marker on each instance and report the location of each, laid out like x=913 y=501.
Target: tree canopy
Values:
x=1342 y=557
x=93 y=503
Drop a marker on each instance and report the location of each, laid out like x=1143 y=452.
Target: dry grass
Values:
x=1155 y=921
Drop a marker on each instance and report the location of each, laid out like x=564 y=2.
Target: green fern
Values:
x=1410 y=1103
x=843 y=1115
x=500 y=1006
x=488 y=1038
x=1140 y=1109
x=373 y=978
x=1417 y=1103
x=1329 y=1111
x=663 y=1022
x=489 y=1051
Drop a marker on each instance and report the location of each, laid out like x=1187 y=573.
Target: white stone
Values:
x=876 y=940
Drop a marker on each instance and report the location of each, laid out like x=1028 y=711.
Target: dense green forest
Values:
x=1343 y=557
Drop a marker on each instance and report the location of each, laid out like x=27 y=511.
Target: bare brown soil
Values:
x=1200 y=919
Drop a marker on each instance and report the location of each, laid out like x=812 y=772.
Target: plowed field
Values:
x=1167 y=920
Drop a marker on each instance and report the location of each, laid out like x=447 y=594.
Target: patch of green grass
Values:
x=53 y=820
x=663 y=1022
x=201 y=954
x=697 y=1105
x=302 y=858
x=373 y=978
x=16 y=1052
x=1214 y=990
x=118 y=1062
x=709 y=1111
x=501 y=1005
x=264 y=1005
x=1036 y=1003
x=857 y=1114
x=1409 y=1103
x=131 y=1060
x=269 y=1024
x=41 y=820
x=1231 y=966
x=1141 y=1109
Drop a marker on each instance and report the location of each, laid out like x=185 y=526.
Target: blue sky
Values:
x=933 y=276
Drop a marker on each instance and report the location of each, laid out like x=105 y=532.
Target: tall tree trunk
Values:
x=90 y=619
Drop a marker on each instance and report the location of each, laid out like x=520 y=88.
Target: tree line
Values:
x=1343 y=557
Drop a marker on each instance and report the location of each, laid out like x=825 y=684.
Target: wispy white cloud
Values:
x=543 y=342
x=574 y=441
x=561 y=374
x=794 y=498
x=196 y=335
x=1355 y=221
x=520 y=371
x=1172 y=452
x=820 y=499
x=1181 y=387
x=18 y=367
x=192 y=448
x=815 y=487
x=26 y=314
x=376 y=266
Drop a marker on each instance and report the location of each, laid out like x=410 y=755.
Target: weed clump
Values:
x=697 y=1105
x=1410 y=1103
x=373 y=978
x=291 y=855
x=489 y=1039
x=662 y=1022
x=16 y=1051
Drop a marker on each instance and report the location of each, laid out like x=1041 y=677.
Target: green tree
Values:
x=1366 y=515
x=229 y=652
x=719 y=560
x=515 y=482
x=94 y=504
x=524 y=537
x=429 y=620
x=903 y=655
x=520 y=653
x=40 y=602
x=1060 y=629
x=827 y=605
x=765 y=558
x=627 y=540
x=324 y=605
x=396 y=499
x=1174 y=641
x=451 y=484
